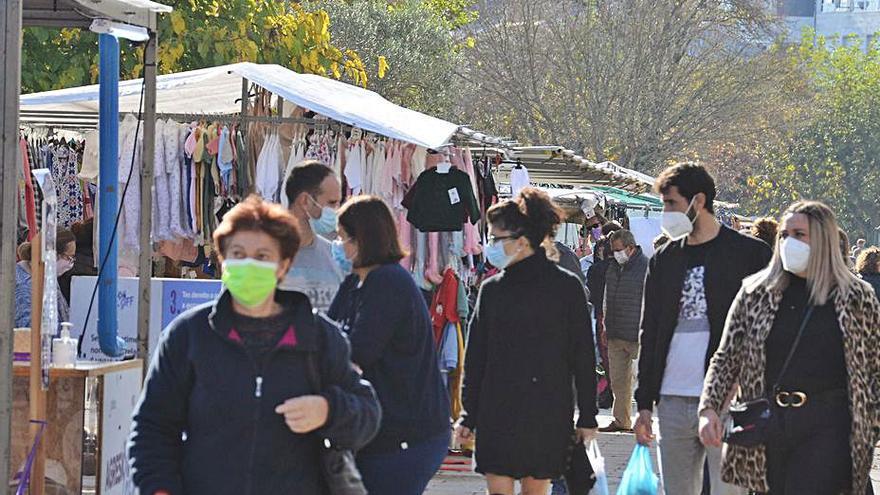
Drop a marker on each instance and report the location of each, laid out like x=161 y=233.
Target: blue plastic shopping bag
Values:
x=598 y=463
x=639 y=477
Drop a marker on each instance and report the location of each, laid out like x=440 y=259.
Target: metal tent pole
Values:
x=108 y=180
x=10 y=64
x=145 y=270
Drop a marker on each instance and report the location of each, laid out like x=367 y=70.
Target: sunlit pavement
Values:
x=616 y=448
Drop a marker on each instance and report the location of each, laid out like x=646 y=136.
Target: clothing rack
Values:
x=89 y=120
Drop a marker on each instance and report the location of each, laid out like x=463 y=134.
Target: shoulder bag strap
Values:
x=313 y=367
x=794 y=347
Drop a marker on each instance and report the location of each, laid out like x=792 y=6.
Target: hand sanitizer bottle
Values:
x=64 y=348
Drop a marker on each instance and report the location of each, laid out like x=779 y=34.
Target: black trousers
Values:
x=808 y=449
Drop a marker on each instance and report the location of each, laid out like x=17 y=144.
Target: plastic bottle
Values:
x=64 y=348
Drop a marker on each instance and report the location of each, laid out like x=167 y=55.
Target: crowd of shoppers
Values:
x=322 y=342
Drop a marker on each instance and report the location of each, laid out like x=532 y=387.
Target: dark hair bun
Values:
x=542 y=215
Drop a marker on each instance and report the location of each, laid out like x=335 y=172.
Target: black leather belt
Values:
x=797 y=399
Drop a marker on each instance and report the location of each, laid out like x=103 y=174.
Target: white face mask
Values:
x=677 y=225
x=621 y=257
x=795 y=255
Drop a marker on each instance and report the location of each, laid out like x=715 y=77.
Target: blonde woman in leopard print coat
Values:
x=839 y=352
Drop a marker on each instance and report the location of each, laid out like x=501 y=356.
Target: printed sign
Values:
x=121 y=392
x=181 y=295
x=168 y=298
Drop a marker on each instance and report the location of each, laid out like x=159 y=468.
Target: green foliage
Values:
x=406 y=42
x=199 y=33
x=833 y=153
x=455 y=13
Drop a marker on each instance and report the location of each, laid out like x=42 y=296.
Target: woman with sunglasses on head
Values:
x=800 y=341
x=389 y=326
x=529 y=340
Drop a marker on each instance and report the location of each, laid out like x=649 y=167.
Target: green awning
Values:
x=628 y=198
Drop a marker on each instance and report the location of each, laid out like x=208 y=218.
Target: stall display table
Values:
x=89 y=410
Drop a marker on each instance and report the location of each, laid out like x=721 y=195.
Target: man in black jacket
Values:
x=624 y=284
x=690 y=286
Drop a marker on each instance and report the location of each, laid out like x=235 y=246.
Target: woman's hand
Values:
x=644 y=428
x=305 y=414
x=463 y=433
x=710 y=428
x=587 y=435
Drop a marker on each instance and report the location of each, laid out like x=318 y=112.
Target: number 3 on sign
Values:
x=173 y=305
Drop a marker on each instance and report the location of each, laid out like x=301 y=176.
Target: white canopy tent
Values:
x=217 y=90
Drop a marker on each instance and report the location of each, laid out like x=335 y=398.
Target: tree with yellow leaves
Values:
x=198 y=34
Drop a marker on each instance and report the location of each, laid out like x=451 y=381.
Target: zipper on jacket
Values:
x=258 y=398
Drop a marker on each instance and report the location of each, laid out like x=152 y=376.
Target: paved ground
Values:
x=616 y=448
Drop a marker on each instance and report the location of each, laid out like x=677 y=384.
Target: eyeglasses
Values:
x=493 y=239
x=66 y=257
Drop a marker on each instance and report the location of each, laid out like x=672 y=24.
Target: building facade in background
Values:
x=845 y=22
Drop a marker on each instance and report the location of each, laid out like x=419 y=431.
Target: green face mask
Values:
x=250 y=281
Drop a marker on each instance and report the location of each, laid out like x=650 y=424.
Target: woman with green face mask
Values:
x=257 y=384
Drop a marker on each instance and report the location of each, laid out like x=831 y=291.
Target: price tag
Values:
x=454 y=199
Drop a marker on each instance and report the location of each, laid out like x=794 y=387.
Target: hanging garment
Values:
x=339 y=159
x=404 y=230
x=243 y=171
x=130 y=159
x=447 y=352
x=161 y=214
x=65 y=160
x=355 y=163
x=176 y=135
x=90 y=161
x=486 y=185
x=519 y=179
x=432 y=271
x=419 y=261
x=441 y=202
x=419 y=161
x=444 y=307
x=268 y=164
x=471 y=234
x=313 y=151
x=29 y=202
x=225 y=158
x=389 y=171
x=455 y=377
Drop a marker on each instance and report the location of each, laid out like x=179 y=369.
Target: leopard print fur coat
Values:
x=741 y=359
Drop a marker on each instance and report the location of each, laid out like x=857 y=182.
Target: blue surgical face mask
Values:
x=497 y=256
x=338 y=252
x=326 y=223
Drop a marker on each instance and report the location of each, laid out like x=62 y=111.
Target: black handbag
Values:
x=340 y=472
x=747 y=426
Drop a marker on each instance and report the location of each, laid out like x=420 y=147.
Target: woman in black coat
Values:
x=388 y=324
x=529 y=340
x=245 y=392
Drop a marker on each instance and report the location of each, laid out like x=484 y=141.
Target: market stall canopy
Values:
x=631 y=199
x=80 y=13
x=560 y=166
x=217 y=90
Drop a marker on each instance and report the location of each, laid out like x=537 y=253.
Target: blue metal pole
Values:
x=108 y=197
